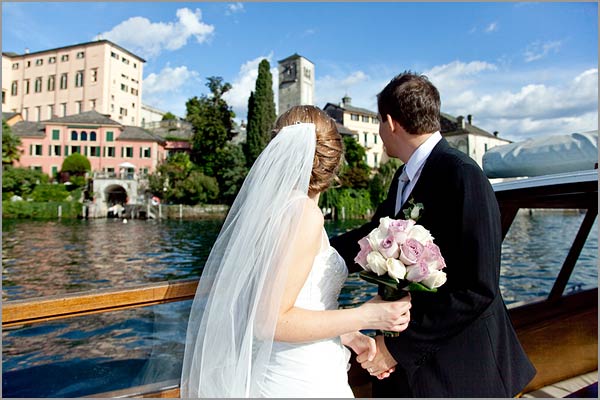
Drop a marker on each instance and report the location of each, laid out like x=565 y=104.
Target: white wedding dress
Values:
x=319 y=368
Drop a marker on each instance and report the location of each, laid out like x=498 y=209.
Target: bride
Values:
x=265 y=320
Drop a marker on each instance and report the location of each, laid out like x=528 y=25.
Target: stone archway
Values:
x=115 y=194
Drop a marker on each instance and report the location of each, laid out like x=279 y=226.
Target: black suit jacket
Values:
x=460 y=342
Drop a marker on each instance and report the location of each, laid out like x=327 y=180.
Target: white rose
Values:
x=414 y=213
x=435 y=279
x=384 y=225
x=376 y=263
x=420 y=234
x=395 y=269
x=375 y=238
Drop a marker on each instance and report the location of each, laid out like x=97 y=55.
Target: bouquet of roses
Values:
x=400 y=256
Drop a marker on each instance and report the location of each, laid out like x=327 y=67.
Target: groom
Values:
x=460 y=342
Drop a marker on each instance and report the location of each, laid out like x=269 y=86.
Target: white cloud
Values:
x=244 y=83
x=538 y=50
x=518 y=111
x=171 y=88
x=358 y=85
x=149 y=39
x=493 y=27
x=234 y=8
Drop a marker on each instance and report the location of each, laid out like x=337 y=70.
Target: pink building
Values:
x=110 y=146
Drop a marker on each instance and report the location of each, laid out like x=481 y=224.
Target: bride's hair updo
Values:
x=329 y=148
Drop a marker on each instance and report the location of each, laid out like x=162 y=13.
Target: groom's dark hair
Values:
x=412 y=101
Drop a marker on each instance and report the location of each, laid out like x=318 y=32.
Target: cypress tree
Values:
x=261 y=113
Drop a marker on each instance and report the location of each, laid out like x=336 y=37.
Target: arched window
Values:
x=79 y=79
x=13 y=89
x=92 y=136
x=73 y=135
x=84 y=135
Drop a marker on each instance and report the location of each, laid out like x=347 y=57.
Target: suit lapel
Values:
x=425 y=179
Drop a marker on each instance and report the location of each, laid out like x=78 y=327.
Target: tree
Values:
x=212 y=123
x=168 y=116
x=178 y=180
x=261 y=113
x=10 y=145
x=231 y=172
x=381 y=182
x=20 y=181
x=76 y=164
x=355 y=173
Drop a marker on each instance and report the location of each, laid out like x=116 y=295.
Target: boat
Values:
x=559 y=332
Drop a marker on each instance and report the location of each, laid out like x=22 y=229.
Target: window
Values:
x=63 y=109
x=38 y=113
x=374 y=120
x=83 y=136
x=56 y=150
x=15 y=66
x=129 y=152
x=64 y=57
x=114 y=55
x=93 y=104
x=26 y=86
x=134 y=91
x=365 y=118
x=92 y=136
x=123 y=87
x=75 y=149
x=125 y=61
x=52 y=60
x=123 y=111
x=37 y=168
x=80 y=54
x=14 y=88
x=66 y=150
x=38 y=84
x=94 y=75
x=112 y=108
x=50 y=111
x=145 y=152
x=78 y=107
x=74 y=135
x=26 y=113
x=110 y=151
x=485 y=147
x=51 y=83
x=109 y=136
x=354 y=117
x=134 y=65
x=63 y=81
x=375 y=159
x=39 y=61
x=36 y=150
x=366 y=135
x=79 y=79
x=375 y=138
x=55 y=134
x=27 y=64
x=94 y=151
x=3 y=97
x=54 y=171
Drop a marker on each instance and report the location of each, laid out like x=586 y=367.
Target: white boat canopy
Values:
x=126 y=164
x=543 y=156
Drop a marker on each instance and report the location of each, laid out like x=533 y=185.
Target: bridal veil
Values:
x=234 y=313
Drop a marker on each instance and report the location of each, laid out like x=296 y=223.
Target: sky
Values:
x=524 y=69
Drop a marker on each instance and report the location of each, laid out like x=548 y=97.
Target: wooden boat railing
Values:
x=559 y=333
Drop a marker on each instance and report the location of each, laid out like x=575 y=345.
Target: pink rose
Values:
x=410 y=251
x=433 y=257
x=389 y=248
x=365 y=249
x=417 y=272
x=399 y=228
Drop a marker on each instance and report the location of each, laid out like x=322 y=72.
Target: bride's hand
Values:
x=360 y=343
x=387 y=315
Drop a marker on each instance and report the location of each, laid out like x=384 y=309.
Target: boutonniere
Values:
x=414 y=210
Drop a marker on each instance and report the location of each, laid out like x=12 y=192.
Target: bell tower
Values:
x=296 y=82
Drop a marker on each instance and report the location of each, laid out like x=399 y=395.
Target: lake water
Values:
x=110 y=351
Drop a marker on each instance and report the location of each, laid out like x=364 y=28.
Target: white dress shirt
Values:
x=413 y=168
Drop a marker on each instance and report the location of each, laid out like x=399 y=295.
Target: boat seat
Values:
x=566 y=387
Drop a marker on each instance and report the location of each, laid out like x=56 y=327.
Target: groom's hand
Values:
x=383 y=363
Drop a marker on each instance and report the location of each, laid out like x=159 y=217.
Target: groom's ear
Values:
x=391 y=122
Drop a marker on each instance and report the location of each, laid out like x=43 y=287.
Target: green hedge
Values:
x=355 y=202
x=40 y=210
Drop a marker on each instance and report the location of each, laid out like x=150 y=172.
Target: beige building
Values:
x=296 y=82
x=365 y=125
x=150 y=116
x=468 y=138
x=99 y=75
